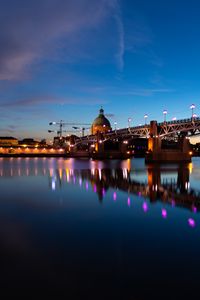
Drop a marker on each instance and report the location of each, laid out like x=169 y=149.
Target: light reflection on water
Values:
x=166 y=183
x=76 y=207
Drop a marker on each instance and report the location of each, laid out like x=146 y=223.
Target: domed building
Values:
x=101 y=123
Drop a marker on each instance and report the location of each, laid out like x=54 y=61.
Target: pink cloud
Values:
x=32 y=30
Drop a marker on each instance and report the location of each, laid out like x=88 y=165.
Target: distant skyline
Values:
x=63 y=60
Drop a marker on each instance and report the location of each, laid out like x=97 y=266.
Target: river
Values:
x=99 y=229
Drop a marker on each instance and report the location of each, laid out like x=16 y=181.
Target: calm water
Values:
x=99 y=230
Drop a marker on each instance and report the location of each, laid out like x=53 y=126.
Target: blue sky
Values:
x=62 y=60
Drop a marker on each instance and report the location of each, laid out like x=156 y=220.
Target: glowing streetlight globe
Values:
x=192 y=107
x=145 y=117
x=164 y=114
x=129 y=120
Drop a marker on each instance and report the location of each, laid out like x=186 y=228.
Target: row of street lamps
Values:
x=192 y=107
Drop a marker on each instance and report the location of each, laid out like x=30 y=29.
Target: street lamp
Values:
x=194 y=116
x=164 y=114
x=192 y=107
x=129 y=121
x=145 y=118
x=174 y=119
x=115 y=123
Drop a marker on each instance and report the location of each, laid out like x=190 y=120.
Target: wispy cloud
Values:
x=146 y=92
x=120 y=28
x=139 y=38
x=127 y=91
x=110 y=115
x=31 y=30
x=7 y=131
x=50 y=100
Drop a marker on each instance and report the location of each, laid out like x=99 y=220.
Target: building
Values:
x=101 y=124
x=6 y=141
x=28 y=143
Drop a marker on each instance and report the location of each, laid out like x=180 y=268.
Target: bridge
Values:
x=191 y=126
x=177 y=130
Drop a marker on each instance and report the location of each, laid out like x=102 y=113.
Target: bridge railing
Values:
x=179 y=121
x=142 y=130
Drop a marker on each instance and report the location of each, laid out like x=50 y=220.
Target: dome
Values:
x=101 y=119
x=101 y=123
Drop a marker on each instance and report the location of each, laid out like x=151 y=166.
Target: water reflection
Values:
x=56 y=233
x=170 y=185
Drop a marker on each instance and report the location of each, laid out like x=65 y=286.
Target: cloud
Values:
x=36 y=101
x=137 y=91
x=110 y=115
x=147 y=92
x=120 y=28
x=32 y=30
x=7 y=130
x=139 y=38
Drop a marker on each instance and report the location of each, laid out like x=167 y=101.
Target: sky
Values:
x=64 y=59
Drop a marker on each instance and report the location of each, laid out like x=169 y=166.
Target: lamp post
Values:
x=164 y=114
x=129 y=121
x=194 y=116
x=115 y=123
x=192 y=107
x=145 y=118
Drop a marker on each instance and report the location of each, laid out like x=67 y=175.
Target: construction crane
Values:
x=58 y=132
x=61 y=124
x=82 y=129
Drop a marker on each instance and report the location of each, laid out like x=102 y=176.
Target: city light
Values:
x=164 y=114
x=129 y=121
x=145 y=118
x=115 y=123
x=192 y=107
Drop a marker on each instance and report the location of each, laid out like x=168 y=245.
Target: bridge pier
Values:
x=157 y=154
x=101 y=151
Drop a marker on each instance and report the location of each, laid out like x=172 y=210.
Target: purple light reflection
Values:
x=129 y=201
x=173 y=203
x=95 y=188
x=191 y=222
x=164 y=213
x=145 y=207
x=86 y=185
x=194 y=209
x=114 y=196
